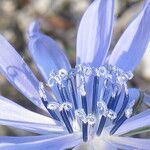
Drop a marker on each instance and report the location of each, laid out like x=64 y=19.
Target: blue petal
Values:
x=131 y=143
x=14 y=115
x=147 y=99
x=95 y=32
x=45 y=52
x=18 y=73
x=138 y=121
x=56 y=143
x=23 y=139
x=133 y=43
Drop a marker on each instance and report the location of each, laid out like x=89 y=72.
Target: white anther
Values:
x=51 y=80
x=42 y=91
x=72 y=72
x=79 y=68
x=66 y=106
x=58 y=79
x=53 y=105
x=87 y=71
x=101 y=105
x=130 y=75
x=128 y=112
x=62 y=73
x=82 y=90
x=80 y=114
x=111 y=114
x=102 y=71
x=91 y=119
x=115 y=90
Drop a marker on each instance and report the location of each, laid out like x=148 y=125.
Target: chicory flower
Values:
x=90 y=105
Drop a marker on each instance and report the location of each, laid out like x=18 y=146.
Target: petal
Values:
x=147 y=99
x=18 y=73
x=56 y=143
x=47 y=55
x=95 y=32
x=24 y=139
x=14 y=115
x=132 y=44
x=138 y=121
x=131 y=143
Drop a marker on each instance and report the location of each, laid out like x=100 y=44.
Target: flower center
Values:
x=69 y=98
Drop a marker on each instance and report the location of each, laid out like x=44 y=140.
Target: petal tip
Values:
x=34 y=28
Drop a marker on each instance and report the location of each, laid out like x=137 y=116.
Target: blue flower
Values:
x=90 y=106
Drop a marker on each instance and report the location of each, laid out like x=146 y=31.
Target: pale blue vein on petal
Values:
x=95 y=32
x=13 y=67
x=128 y=143
x=47 y=55
x=25 y=139
x=56 y=143
x=133 y=43
x=138 y=121
x=14 y=115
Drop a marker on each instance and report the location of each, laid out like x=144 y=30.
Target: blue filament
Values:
x=118 y=124
x=124 y=105
x=66 y=121
x=114 y=104
x=65 y=97
x=103 y=118
x=101 y=125
x=84 y=104
x=60 y=89
x=85 y=131
x=84 y=125
x=73 y=94
x=51 y=112
x=95 y=93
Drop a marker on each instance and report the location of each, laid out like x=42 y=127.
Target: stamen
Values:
x=84 y=104
x=51 y=111
x=73 y=91
x=102 y=107
x=124 y=105
x=103 y=118
x=53 y=106
x=84 y=125
x=114 y=105
x=111 y=114
x=118 y=124
x=91 y=119
x=66 y=121
x=105 y=99
x=127 y=114
x=45 y=103
x=101 y=125
x=85 y=131
x=95 y=93
x=60 y=89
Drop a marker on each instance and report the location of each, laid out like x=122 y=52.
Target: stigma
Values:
x=66 y=98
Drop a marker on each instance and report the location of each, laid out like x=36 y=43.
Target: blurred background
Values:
x=60 y=20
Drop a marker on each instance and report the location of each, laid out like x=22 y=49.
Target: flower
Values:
x=90 y=106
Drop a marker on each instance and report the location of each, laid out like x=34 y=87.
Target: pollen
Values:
x=68 y=101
